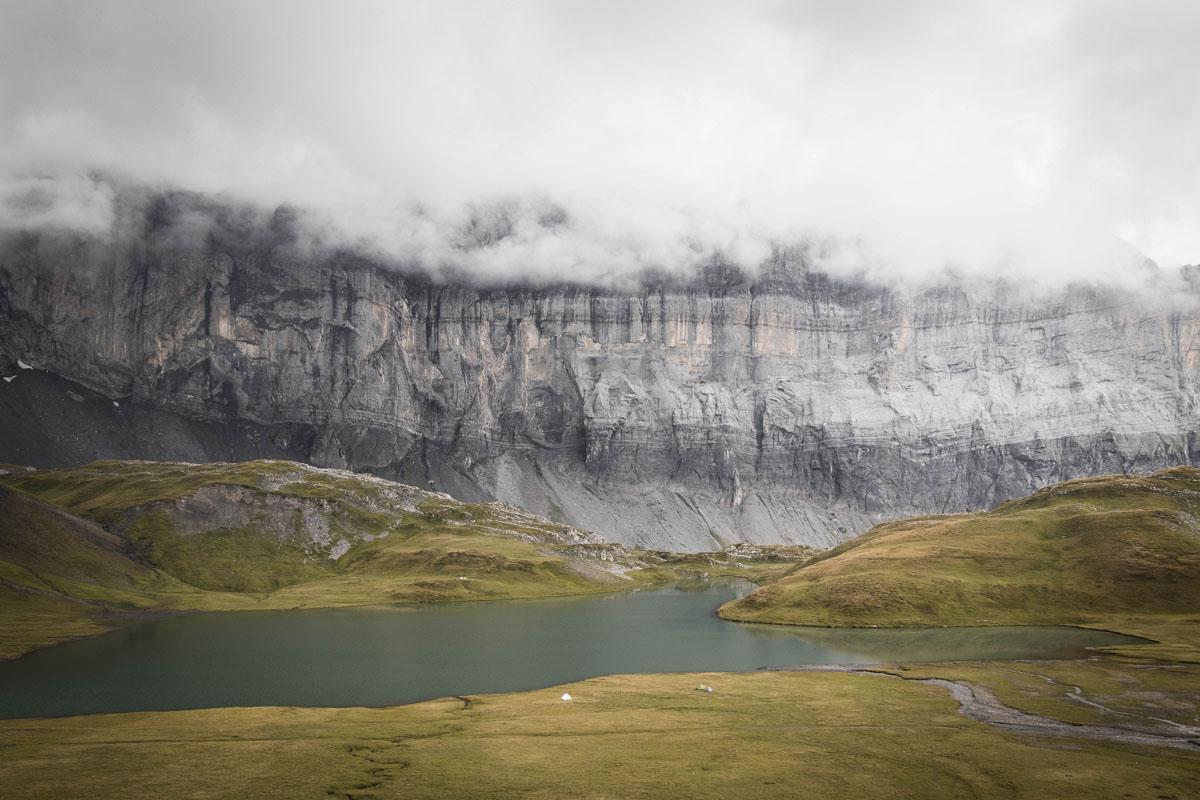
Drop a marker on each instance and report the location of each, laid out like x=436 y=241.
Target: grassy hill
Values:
x=1081 y=551
x=62 y=577
x=82 y=548
x=262 y=526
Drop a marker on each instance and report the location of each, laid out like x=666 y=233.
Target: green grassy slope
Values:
x=137 y=536
x=257 y=527
x=82 y=547
x=1083 y=551
x=61 y=576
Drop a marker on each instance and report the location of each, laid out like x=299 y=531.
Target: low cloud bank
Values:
x=1046 y=142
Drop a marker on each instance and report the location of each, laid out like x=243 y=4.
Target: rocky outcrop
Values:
x=323 y=512
x=680 y=414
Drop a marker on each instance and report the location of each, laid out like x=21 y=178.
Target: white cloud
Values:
x=63 y=201
x=1013 y=137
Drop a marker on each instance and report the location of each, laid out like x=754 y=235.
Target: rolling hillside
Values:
x=82 y=548
x=1077 y=552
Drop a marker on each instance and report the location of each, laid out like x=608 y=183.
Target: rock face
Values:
x=686 y=415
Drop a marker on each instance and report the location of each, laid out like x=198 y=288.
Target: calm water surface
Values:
x=377 y=657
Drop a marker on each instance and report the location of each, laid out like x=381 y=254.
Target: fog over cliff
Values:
x=1050 y=141
x=681 y=412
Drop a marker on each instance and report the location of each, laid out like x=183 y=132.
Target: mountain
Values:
x=1079 y=551
x=681 y=413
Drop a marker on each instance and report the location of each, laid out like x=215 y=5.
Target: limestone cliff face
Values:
x=680 y=415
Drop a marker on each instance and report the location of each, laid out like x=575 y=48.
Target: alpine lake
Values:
x=386 y=656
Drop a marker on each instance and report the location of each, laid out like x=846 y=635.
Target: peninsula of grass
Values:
x=1090 y=552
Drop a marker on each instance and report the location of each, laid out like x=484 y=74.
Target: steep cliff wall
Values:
x=788 y=407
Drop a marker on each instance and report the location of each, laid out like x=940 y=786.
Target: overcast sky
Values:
x=1031 y=138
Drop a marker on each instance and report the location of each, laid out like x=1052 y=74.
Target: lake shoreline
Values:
x=384 y=656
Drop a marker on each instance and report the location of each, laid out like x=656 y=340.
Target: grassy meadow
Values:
x=767 y=735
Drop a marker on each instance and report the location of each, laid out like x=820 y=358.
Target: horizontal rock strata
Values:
x=680 y=414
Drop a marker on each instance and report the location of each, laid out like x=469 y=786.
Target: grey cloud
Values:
x=72 y=202
x=1017 y=139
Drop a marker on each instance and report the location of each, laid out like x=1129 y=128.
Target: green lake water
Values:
x=387 y=656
